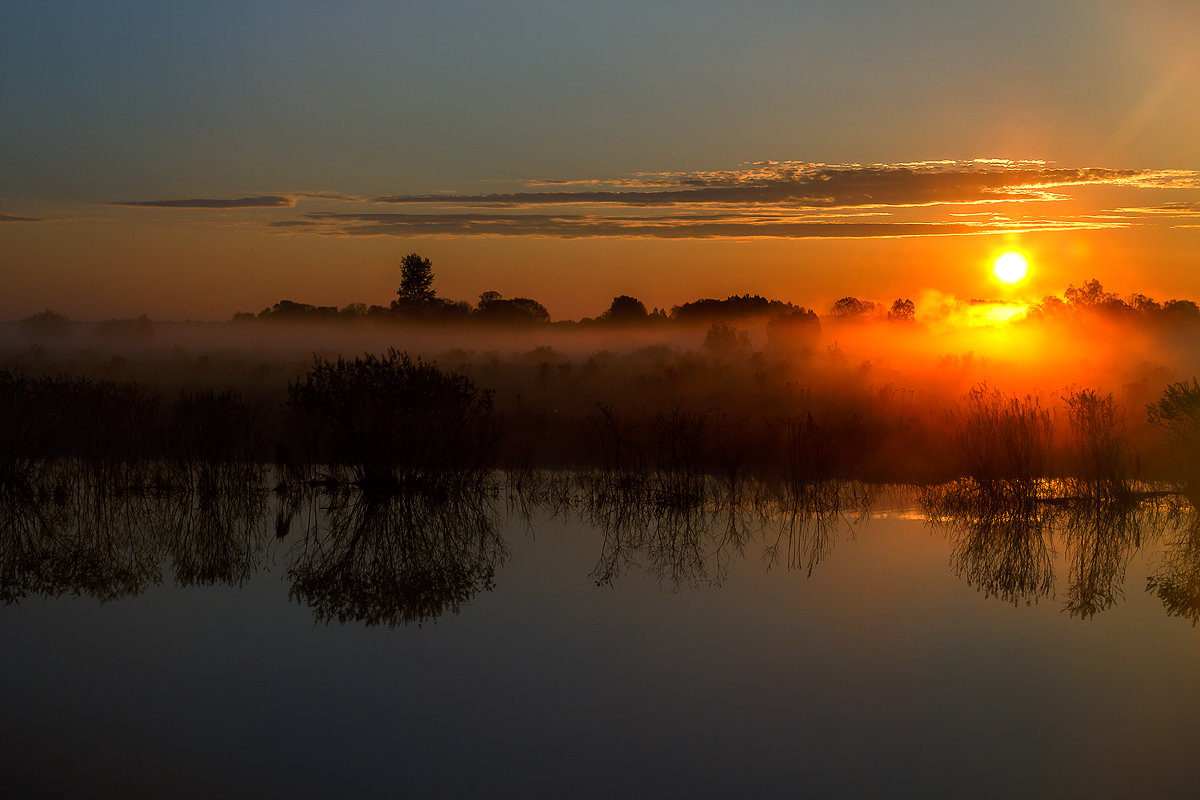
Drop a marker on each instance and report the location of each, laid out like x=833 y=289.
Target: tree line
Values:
x=417 y=301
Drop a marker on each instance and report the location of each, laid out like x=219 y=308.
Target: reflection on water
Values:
x=77 y=541
x=1000 y=546
x=1176 y=579
x=395 y=558
x=1005 y=538
x=1100 y=539
x=400 y=557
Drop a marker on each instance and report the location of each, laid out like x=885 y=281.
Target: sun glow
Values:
x=1010 y=268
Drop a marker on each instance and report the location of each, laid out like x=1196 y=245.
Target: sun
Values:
x=1010 y=267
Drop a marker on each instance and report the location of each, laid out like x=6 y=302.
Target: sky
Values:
x=191 y=160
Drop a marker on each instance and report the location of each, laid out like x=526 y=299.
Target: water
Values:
x=883 y=673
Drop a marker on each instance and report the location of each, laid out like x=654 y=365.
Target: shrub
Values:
x=1104 y=465
x=46 y=324
x=390 y=417
x=1003 y=439
x=1177 y=415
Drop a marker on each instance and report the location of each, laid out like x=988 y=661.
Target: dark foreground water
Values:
x=690 y=670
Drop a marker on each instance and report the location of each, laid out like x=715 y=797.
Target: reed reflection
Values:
x=680 y=543
x=215 y=537
x=1004 y=542
x=808 y=518
x=686 y=543
x=1100 y=539
x=87 y=538
x=1176 y=576
x=1000 y=533
x=82 y=541
x=394 y=558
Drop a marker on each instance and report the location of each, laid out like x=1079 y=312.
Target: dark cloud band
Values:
x=808 y=187
x=670 y=227
x=257 y=201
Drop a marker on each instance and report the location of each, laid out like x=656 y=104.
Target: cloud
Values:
x=783 y=199
x=11 y=218
x=731 y=226
x=348 y=198
x=802 y=185
x=255 y=201
x=1179 y=209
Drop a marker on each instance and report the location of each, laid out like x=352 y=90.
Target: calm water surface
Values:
x=686 y=671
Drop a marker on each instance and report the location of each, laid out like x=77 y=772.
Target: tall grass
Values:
x=389 y=419
x=1177 y=416
x=1003 y=443
x=1104 y=467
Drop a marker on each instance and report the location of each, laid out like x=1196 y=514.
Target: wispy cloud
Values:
x=802 y=185
x=763 y=199
x=255 y=201
x=11 y=218
x=733 y=226
x=1179 y=209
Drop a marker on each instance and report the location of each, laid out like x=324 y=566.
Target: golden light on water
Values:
x=1010 y=268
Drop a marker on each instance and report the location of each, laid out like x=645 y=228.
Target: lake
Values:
x=336 y=646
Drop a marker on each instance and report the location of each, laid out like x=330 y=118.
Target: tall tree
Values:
x=625 y=309
x=416 y=280
x=903 y=310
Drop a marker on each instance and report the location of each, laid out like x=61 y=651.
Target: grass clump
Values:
x=390 y=419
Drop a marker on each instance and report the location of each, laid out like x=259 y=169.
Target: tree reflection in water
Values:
x=809 y=518
x=1004 y=539
x=401 y=557
x=1001 y=541
x=1176 y=577
x=1100 y=539
x=215 y=537
x=392 y=558
x=81 y=541
x=88 y=538
x=691 y=543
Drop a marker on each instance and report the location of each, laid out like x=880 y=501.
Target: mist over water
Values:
x=885 y=395
x=437 y=540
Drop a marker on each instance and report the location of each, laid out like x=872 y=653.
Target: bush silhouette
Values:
x=46 y=324
x=1177 y=415
x=390 y=418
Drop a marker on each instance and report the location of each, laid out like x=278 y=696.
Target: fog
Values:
x=886 y=395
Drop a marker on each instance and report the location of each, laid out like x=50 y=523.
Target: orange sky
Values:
x=191 y=162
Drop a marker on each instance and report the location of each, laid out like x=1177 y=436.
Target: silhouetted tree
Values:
x=1143 y=304
x=625 y=309
x=851 y=307
x=902 y=311
x=1051 y=307
x=1090 y=295
x=518 y=310
x=725 y=339
x=1181 y=309
x=416 y=280
x=46 y=324
x=733 y=307
x=291 y=311
x=798 y=329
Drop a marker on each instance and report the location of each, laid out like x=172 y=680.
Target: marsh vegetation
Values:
x=688 y=440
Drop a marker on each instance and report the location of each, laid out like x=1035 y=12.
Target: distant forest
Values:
x=417 y=302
